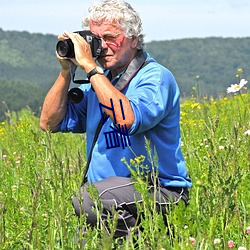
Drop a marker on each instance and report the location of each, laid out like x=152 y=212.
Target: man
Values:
x=141 y=100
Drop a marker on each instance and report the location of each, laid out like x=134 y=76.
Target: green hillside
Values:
x=28 y=57
x=28 y=66
x=211 y=63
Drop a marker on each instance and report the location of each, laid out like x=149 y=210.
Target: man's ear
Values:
x=134 y=42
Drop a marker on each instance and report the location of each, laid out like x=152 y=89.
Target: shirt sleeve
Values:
x=75 y=117
x=153 y=97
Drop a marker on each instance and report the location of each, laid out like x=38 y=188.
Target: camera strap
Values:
x=136 y=64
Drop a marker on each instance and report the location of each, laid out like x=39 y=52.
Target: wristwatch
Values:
x=96 y=70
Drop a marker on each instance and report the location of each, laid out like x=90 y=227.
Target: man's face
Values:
x=118 y=50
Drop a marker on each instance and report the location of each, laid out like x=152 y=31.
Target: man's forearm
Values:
x=55 y=103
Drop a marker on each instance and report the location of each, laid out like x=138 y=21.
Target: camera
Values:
x=65 y=48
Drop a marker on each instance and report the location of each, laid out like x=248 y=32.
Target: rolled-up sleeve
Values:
x=75 y=117
x=152 y=98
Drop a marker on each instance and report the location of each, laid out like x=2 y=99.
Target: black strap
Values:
x=97 y=132
x=136 y=64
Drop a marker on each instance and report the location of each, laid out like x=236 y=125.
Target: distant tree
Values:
x=17 y=95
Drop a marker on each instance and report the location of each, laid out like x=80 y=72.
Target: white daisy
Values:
x=237 y=87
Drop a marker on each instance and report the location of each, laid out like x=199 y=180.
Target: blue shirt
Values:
x=154 y=98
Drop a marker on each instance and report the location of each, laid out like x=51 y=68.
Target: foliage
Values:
x=14 y=95
x=28 y=58
x=40 y=172
x=28 y=68
x=208 y=62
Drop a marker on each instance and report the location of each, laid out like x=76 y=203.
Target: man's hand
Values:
x=66 y=63
x=83 y=54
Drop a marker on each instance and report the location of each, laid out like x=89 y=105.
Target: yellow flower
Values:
x=132 y=162
x=195 y=105
x=240 y=70
x=138 y=160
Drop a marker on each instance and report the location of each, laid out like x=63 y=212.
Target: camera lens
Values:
x=65 y=48
x=75 y=95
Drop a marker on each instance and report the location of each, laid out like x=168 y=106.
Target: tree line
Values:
x=202 y=67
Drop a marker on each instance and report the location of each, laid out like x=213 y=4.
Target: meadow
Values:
x=40 y=172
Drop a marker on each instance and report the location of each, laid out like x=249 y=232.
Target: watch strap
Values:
x=93 y=72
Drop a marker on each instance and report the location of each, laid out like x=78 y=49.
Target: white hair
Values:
x=120 y=13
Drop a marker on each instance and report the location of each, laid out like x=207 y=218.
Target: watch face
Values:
x=99 y=70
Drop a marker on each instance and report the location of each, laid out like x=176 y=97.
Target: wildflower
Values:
x=195 y=106
x=247 y=133
x=221 y=147
x=198 y=182
x=230 y=244
x=137 y=160
x=216 y=241
x=132 y=162
x=240 y=70
x=45 y=216
x=242 y=248
x=14 y=188
x=237 y=87
x=248 y=230
x=192 y=240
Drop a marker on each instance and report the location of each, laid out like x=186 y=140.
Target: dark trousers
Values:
x=119 y=194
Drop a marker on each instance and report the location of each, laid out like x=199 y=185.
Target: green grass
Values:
x=40 y=172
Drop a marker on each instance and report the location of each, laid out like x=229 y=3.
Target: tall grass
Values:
x=40 y=172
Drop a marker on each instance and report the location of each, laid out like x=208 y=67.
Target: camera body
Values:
x=65 y=48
